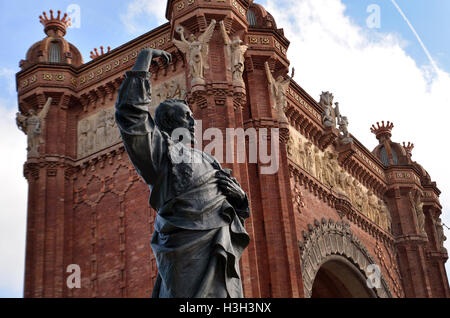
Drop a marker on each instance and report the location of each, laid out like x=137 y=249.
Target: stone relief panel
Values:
x=325 y=167
x=173 y=88
x=97 y=132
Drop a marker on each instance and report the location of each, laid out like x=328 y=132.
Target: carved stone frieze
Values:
x=97 y=132
x=175 y=87
x=324 y=166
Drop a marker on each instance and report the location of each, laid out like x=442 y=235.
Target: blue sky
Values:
x=429 y=18
x=102 y=23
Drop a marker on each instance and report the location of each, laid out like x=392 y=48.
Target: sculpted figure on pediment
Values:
x=330 y=114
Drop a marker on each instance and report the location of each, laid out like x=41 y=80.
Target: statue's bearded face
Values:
x=183 y=118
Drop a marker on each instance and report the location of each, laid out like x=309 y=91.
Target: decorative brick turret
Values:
x=408 y=148
x=54 y=25
x=95 y=53
x=383 y=131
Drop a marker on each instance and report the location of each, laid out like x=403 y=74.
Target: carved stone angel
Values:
x=279 y=88
x=33 y=125
x=417 y=206
x=196 y=51
x=440 y=234
x=235 y=51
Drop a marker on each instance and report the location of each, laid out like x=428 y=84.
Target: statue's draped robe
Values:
x=198 y=235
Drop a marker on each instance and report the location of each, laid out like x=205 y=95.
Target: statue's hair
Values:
x=164 y=114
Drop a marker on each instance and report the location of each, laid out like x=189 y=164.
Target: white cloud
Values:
x=140 y=13
x=373 y=79
x=13 y=200
x=10 y=76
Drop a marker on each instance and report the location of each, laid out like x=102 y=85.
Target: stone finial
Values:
x=408 y=148
x=383 y=130
x=95 y=53
x=55 y=24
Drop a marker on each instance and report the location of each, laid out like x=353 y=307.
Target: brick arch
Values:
x=326 y=239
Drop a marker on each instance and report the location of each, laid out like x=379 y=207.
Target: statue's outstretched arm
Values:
x=142 y=139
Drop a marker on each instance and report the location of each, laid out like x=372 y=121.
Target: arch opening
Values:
x=339 y=278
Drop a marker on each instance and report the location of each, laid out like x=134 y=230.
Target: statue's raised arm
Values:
x=142 y=139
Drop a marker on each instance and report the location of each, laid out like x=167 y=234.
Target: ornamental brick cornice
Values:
x=51 y=163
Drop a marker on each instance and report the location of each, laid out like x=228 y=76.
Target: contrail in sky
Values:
x=417 y=36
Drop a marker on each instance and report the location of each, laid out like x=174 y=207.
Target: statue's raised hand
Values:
x=163 y=54
x=145 y=57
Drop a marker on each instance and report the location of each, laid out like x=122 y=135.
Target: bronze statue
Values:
x=199 y=233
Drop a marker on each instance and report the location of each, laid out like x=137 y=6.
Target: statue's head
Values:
x=32 y=112
x=192 y=37
x=172 y=114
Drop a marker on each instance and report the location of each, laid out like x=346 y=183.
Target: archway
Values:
x=334 y=263
x=339 y=278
